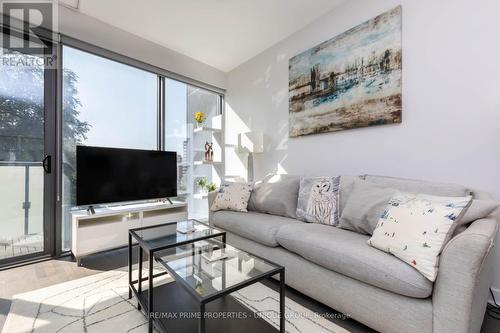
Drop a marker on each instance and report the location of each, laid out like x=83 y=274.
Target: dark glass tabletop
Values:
x=169 y=234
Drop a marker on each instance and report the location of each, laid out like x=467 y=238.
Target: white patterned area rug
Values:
x=100 y=304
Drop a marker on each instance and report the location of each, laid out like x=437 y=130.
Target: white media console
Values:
x=108 y=228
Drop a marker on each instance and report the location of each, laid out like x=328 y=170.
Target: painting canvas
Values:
x=352 y=80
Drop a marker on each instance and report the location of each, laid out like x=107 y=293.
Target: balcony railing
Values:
x=21 y=202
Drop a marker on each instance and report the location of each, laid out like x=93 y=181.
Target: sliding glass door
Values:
x=27 y=108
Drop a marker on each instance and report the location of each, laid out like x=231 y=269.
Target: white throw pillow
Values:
x=415 y=228
x=232 y=196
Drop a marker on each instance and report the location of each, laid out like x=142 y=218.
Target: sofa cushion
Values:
x=347 y=253
x=232 y=196
x=319 y=200
x=259 y=227
x=276 y=194
x=479 y=209
x=418 y=186
x=365 y=206
x=415 y=227
x=346 y=185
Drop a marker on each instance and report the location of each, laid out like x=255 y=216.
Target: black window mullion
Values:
x=161 y=113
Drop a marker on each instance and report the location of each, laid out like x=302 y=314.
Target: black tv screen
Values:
x=107 y=175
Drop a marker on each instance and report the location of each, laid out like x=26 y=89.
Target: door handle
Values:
x=47 y=163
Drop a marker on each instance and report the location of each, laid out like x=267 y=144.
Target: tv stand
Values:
x=107 y=228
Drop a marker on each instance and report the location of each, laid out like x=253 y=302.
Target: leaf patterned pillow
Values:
x=415 y=228
x=232 y=196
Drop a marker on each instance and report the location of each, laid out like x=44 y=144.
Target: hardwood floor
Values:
x=42 y=274
x=46 y=273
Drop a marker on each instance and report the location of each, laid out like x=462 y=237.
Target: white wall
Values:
x=451 y=100
x=101 y=34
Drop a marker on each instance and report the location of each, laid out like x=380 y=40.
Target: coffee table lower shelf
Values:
x=170 y=299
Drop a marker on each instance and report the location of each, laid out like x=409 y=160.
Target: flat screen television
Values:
x=109 y=175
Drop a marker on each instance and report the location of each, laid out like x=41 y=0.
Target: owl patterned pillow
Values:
x=318 y=200
x=232 y=196
x=415 y=228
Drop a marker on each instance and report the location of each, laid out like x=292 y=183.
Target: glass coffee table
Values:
x=205 y=271
x=157 y=238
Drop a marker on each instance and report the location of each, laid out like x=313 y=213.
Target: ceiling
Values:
x=220 y=33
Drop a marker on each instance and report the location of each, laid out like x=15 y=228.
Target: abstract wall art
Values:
x=352 y=80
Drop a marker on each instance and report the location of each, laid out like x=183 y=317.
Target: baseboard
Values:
x=496 y=293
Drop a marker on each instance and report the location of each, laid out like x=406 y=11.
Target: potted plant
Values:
x=199 y=117
x=202 y=182
x=211 y=187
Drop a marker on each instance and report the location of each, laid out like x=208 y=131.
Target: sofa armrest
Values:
x=464 y=277
x=211 y=199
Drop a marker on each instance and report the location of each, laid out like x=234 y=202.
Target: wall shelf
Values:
x=204 y=162
x=206 y=129
x=211 y=132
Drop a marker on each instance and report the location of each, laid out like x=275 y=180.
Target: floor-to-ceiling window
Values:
x=107 y=104
x=190 y=141
x=176 y=131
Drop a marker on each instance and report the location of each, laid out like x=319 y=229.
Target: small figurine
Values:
x=207 y=151
x=210 y=152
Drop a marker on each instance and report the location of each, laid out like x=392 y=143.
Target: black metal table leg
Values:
x=282 y=301
x=192 y=258
x=139 y=279
x=129 y=266
x=224 y=262
x=201 y=323
x=150 y=293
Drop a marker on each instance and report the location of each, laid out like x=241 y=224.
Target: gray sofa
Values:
x=338 y=268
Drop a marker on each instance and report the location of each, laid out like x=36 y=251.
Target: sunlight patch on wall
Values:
x=234 y=126
x=281 y=97
x=236 y=164
x=281 y=170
